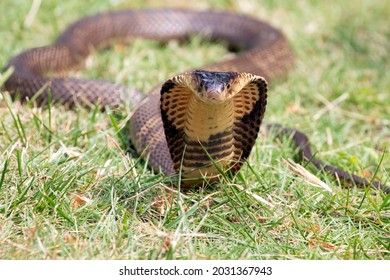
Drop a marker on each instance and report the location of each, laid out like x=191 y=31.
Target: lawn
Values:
x=70 y=190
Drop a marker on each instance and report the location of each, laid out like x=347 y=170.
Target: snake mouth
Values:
x=214 y=96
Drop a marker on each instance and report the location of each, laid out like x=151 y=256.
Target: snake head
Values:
x=213 y=87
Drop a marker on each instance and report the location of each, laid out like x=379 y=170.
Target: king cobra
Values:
x=199 y=124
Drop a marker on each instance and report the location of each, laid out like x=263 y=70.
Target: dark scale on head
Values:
x=213 y=80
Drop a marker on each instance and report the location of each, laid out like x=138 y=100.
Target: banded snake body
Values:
x=198 y=123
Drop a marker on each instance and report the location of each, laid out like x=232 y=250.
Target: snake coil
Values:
x=264 y=51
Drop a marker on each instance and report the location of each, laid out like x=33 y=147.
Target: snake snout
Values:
x=214 y=93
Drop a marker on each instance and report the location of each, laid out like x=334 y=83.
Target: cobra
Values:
x=197 y=124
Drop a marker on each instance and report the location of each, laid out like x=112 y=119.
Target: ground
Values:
x=69 y=190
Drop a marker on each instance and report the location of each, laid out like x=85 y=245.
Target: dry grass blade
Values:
x=255 y=196
x=306 y=175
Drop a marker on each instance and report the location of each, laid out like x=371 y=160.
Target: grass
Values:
x=70 y=191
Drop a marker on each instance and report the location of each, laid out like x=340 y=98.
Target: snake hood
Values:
x=211 y=118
